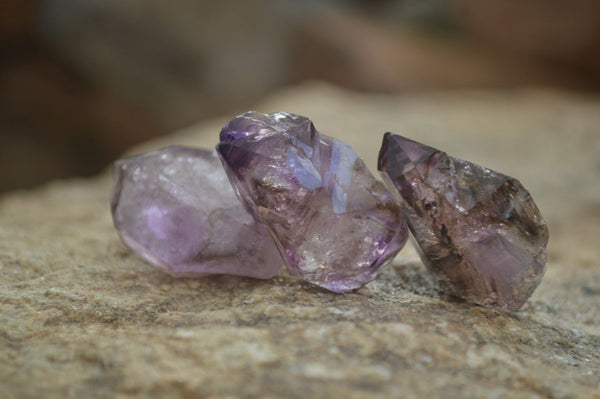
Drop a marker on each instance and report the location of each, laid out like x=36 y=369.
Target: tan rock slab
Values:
x=80 y=316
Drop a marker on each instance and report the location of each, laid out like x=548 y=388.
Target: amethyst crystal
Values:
x=175 y=208
x=479 y=231
x=334 y=223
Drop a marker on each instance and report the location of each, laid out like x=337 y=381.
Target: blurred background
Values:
x=83 y=80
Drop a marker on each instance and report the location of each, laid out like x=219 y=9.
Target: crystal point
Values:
x=334 y=223
x=175 y=208
x=478 y=230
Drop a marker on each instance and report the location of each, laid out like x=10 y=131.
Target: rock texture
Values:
x=81 y=316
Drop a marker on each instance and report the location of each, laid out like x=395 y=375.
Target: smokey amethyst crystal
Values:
x=175 y=208
x=479 y=231
x=334 y=223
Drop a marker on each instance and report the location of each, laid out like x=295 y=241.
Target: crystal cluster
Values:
x=334 y=223
x=175 y=208
x=479 y=231
x=283 y=193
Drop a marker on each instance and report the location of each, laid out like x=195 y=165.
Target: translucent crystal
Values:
x=479 y=231
x=334 y=223
x=175 y=208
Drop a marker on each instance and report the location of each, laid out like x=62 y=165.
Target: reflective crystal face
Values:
x=479 y=231
x=175 y=208
x=334 y=223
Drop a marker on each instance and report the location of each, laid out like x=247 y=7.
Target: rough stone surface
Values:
x=81 y=316
x=478 y=231
x=175 y=208
x=335 y=223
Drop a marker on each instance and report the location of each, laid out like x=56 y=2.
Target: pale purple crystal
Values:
x=334 y=223
x=479 y=231
x=175 y=208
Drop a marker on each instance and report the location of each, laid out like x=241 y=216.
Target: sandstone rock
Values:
x=80 y=316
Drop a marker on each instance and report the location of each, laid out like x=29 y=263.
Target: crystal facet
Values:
x=479 y=231
x=334 y=223
x=175 y=208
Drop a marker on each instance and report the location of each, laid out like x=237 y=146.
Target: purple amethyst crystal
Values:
x=334 y=223
x=479 y=231
x=175 y=208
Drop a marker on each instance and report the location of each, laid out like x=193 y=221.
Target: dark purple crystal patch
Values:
x=334 y=223
x=175 y=208
x=479 y=231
